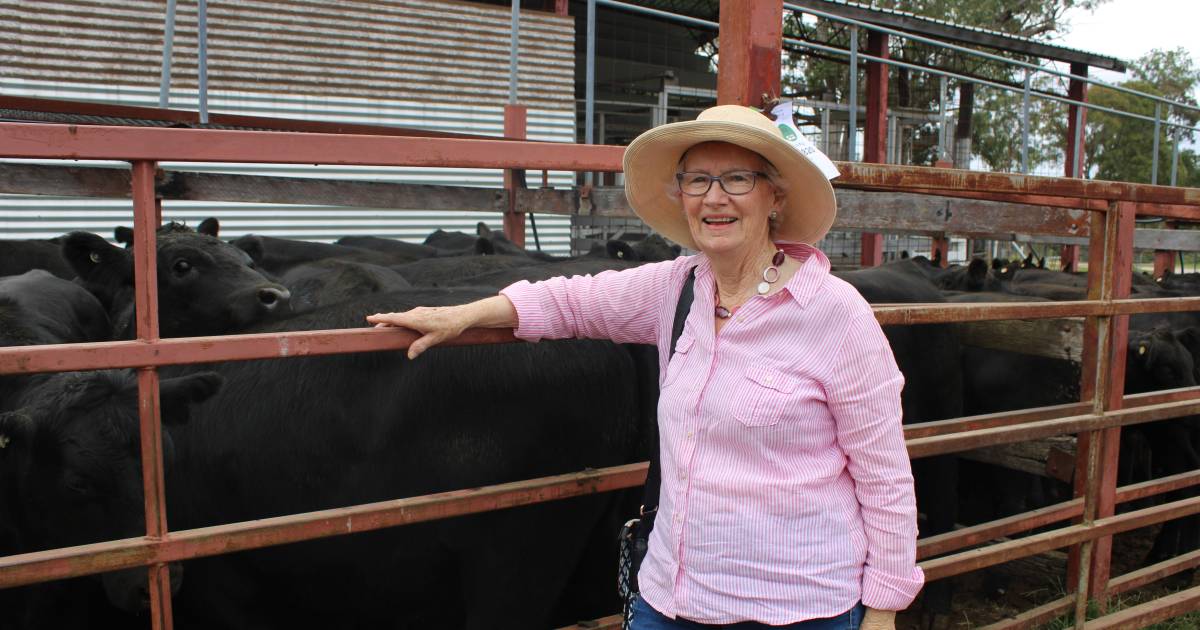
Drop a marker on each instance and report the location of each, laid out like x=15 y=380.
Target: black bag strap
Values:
x=654 y=475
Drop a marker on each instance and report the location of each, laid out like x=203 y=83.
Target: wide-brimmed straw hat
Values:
x=652 y=160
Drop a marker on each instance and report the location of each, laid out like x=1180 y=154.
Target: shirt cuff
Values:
x=890 y=592
x=531 y=323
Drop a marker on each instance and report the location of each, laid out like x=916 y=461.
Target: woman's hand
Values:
x=874 y=619
x=435 y=324
x=441 y=323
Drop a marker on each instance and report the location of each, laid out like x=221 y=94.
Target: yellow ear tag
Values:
x=1141 y=350
x=4 y=440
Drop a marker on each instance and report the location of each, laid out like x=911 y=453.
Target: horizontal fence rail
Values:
x=1100 y=412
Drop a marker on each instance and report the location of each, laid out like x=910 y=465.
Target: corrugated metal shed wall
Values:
x=413 y=63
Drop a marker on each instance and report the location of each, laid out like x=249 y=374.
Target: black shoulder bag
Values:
x=635 y=534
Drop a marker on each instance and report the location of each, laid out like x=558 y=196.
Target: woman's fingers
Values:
x=435 y=325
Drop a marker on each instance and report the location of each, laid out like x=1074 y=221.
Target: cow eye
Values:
x=181 y=266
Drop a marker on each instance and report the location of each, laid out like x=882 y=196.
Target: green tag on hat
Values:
x=787 y=132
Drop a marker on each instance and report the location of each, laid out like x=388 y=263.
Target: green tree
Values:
x=1120 y=148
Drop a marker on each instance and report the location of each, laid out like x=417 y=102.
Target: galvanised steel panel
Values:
x=412 y=63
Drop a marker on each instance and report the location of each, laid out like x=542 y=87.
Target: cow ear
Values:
x=620 y=250
x=123 y=235
x=97 y=261
x=484 y=246
x=178 y=394
x=482 y=229
x=16 y=433
x=252 y=245
x=209 y=226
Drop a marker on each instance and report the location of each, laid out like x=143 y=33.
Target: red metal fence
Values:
x=1097 y=418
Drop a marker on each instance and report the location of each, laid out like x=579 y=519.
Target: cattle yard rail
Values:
x=1103 y=211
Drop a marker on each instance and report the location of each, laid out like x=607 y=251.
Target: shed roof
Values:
x=941 y=29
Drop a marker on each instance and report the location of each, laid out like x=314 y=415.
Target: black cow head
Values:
x=70 y=464
x=1161 y=359
x=205 y=286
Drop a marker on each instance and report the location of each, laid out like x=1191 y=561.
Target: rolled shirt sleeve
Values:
x=624 y=306
x=864 y=396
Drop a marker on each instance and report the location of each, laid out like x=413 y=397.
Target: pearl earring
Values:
x=774 y=215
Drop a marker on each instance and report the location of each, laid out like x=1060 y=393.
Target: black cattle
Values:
x=70 y=474
x=37 y=308
x=398 y=250
x=205 y=286
x=276 y=256
x=272 y=442
x=334 y=280
x=652 y=248
x=451 y=271
x=19 y=256
x=1165 y=359
x=928 y=356
x=586 y=265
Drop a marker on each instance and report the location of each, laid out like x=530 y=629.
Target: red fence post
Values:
x=1076 y=117
x=514 y=179
x=147 y=213
x=1164 y=259
x=1103 y=377
x=939 y=248
x=875 y=134
x=751 y=51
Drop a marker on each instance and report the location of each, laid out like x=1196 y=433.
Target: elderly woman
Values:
x=787 y=496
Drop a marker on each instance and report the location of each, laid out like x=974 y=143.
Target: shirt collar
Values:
x=814 y=266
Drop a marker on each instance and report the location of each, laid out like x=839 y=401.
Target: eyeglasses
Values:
x=733 y=182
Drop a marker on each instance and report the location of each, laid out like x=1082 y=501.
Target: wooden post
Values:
x=1164 y=259
x=514 y=221
x=560 y=7
x=1077 y=90
x=940 y=247
x=1111 y=240
x=751 y=50
x=875 y=134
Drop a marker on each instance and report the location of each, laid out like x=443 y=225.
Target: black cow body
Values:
x=333 y=280
x=452 y=271
x=399 y=251
x=276 y=256
x=272 y=444
x=19 y=256
x=70 y=474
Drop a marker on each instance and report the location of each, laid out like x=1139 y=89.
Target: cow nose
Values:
x=272 y=298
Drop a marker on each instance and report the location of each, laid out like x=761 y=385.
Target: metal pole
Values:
x=513 y=45
x=852 y=120
x=1025 y=124
x=1174 y=148
x=1077 y=159
x=941 y=152
x=164 y=81
x=1154 y=156
x=589 y=107
x=202 y=42
x=825 y=130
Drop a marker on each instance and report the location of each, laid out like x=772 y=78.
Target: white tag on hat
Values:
x=787 y=126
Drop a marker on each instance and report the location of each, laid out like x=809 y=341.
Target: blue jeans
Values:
x=646 y=618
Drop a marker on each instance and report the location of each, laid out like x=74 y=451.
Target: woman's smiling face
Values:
x=721 y=222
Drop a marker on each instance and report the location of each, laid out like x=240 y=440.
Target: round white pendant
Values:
x=763 y=287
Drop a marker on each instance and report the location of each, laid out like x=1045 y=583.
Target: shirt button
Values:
x=689 y=434
x=682 y=476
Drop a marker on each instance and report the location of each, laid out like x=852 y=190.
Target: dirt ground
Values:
x=984 y=597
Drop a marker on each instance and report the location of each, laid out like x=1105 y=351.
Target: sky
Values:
x=1128 y=29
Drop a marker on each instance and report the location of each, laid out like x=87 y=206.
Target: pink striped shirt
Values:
x=787 y=492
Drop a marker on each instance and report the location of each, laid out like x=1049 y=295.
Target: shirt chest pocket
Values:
x=764 y=395
x=676 y=361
